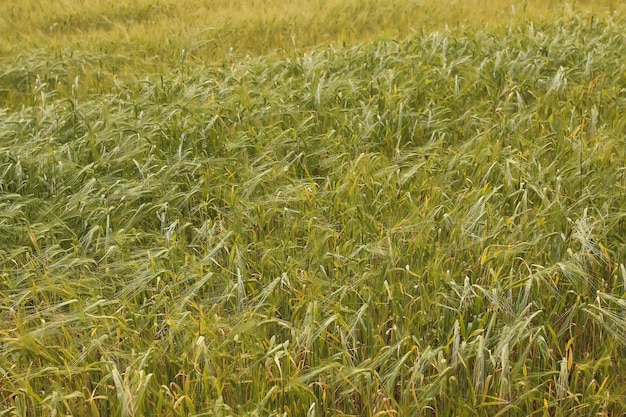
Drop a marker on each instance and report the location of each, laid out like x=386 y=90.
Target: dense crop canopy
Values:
x=433 y=226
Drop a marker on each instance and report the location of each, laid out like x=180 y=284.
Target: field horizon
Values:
x=385 y=220
x=142 y=37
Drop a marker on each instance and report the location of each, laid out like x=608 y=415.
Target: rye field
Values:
x=209 y=208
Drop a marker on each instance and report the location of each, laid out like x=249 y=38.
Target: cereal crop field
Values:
x=358 y=208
